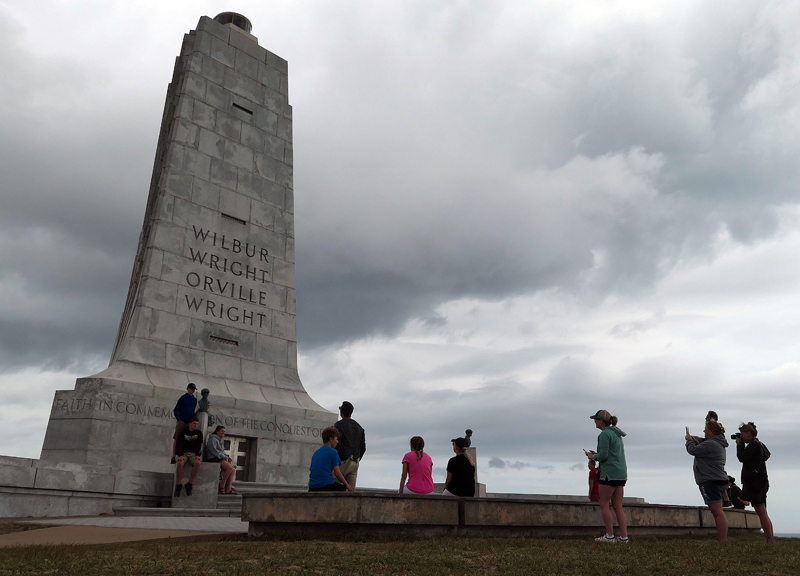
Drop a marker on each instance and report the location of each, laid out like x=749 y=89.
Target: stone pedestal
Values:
x=205 y=487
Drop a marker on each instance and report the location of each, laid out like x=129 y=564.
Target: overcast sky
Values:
x=508 y=215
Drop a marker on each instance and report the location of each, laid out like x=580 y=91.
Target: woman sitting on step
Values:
x=417 y=467
x=215 y=452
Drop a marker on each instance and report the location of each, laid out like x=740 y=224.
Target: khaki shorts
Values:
x=190 y=457
x=179 y=427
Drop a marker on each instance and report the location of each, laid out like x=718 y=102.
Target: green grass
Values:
x=744 y=555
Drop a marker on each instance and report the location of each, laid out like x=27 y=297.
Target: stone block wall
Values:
x=215 y=291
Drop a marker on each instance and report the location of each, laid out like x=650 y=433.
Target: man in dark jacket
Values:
x=352 y=444
x=183 y=412
x=189 y=446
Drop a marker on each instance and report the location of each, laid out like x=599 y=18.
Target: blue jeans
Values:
x=712 y=492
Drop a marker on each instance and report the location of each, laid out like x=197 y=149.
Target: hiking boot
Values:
x=605 y=539
x=189 y=488
x=178 y=489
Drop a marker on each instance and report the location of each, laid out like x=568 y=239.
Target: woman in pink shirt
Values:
x=417 y=468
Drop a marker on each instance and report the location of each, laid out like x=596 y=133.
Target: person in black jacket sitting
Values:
x=755 y=483
x=734 y=494
x=188 y=447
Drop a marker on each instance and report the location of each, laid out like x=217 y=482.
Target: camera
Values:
x=735 y=436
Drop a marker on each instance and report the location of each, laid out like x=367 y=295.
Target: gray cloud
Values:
x=495 y=462
x=607 y=168
x=467 y=167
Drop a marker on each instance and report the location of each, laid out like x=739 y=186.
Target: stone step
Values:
x=242 y=487
x=229 y=502
x=195 y=512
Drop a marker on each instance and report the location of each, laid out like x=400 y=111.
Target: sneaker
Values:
x=189 y=488
x=605 y=539
x=622 y=540
x=173 y=460
x=178 y=489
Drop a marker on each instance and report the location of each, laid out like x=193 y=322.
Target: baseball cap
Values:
x=460 y=442
x=192 y=386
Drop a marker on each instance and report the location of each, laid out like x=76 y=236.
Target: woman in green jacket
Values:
x=610 y=455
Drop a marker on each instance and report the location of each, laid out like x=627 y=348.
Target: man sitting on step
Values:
x=187 y=448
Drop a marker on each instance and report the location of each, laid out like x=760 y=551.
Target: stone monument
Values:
x=212 y=293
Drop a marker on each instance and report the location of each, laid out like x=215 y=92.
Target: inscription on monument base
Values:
x=285 y=428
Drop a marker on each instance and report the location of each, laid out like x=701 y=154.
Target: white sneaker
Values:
x=622 y=540
x=606 y=539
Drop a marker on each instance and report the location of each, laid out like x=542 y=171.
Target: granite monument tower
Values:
x=212 y=293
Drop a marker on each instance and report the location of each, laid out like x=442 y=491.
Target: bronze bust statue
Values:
x=203 y=405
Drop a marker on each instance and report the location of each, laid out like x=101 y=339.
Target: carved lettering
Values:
x=233 y=267
x=193 y=304
x=198 y=256
x=200 y=234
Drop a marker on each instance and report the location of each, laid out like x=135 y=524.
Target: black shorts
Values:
x=611 y=482
x=756 y=498
x=212 y=460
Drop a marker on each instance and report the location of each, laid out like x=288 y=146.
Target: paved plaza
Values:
x=112 y=529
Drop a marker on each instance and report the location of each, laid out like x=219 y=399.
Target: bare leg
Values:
x=616 y=503
x=227 y=476
x=195 y=470
x=179 y=469
x=606 y=492
x=720 y=520
x=766 y=523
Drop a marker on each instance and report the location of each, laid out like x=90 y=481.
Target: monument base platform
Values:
x=205 y=487
x=312 y=514
x=32 y=488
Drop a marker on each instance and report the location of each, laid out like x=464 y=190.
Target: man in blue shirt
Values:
x=325 y=462
x=183 y=412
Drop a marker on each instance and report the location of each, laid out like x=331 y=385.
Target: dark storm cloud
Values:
x=480 y=151
x=75 y=172
x=455 y=171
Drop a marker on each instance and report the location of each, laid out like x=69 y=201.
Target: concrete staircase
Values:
x=230 y=502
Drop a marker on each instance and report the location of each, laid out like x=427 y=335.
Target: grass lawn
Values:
x=744 y=555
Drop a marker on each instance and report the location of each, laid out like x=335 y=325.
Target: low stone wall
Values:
x=323 y=513
x=42 y=489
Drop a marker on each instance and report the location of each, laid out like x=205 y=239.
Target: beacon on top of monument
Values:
x=236 y=19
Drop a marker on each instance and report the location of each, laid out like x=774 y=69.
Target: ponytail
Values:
x=417 y=444
x=469 y=458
